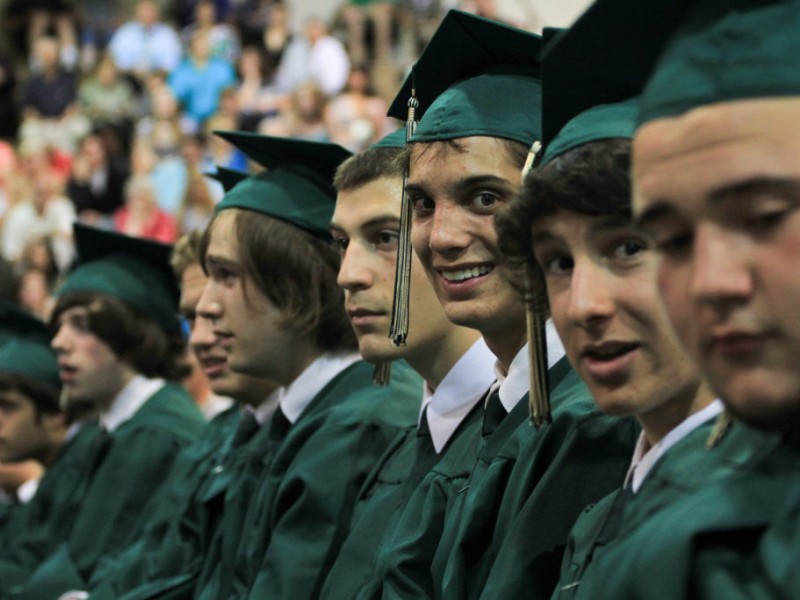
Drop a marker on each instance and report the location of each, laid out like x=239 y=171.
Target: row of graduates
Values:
x=322 y=483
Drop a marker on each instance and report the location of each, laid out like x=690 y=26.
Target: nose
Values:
x=720 y=273
x=209 y=306
x=591 y=300
x=354 y=272
x=448 y=230
x=59 y=343
x=202 y=335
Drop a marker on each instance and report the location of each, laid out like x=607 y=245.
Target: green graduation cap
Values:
x=227 y=177
x=134 y=270
x=396 y=139
x=605 y=57
x=476 y=77
x=725 y=51
x=298 y=184
x=25 y=347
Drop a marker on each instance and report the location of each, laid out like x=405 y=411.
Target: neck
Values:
x=435 y=360
x=57 y=441
x=124 y=379
x=302 y=355
x=659 y=421
x=506 y=345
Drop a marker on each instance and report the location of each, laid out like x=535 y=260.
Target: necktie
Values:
x=494 y=414
x=248 y=425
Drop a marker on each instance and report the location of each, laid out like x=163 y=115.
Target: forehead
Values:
x=683 y=162
x=193 y=281
x=459 y=158
x=379 y=198
x=222 y=235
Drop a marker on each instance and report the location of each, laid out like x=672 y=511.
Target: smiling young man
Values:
x=118 y=346
x=273 y=301
x=454 y=362
x=465 y=161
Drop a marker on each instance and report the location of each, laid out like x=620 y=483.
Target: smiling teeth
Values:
x=464 y=274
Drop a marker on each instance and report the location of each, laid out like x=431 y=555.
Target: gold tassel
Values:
x=538 y=397
x=398 y=331
x=382 y=374
x=721 y=426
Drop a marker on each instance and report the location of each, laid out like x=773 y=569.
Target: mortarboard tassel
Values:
x=398 y=331
x=538 y=397
x=721 y=426
x=382 y=374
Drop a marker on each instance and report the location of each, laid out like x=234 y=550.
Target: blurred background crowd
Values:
x=107 y=108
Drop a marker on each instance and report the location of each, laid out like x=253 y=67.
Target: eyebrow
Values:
x=659 y=210
x=603 y=224
x=464 y=183
x=377 y=221
x=220 y=261
x=752 y=185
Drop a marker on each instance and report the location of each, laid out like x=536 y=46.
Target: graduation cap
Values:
x=25 y=347
x=725 y=51
x=227 y=177
x=476 y=77
x=131 y=269
x=606 y=56
x=298 y=184
x=396 y=139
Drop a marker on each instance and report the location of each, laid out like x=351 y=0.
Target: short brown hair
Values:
x=131 y=335
x=367 y=166
x=516 y=152
x=44 y=397
x=296 y=270
x=592 y=179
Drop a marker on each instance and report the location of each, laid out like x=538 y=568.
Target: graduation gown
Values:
x=693 y=501
x=157 y=545
x=281 y=542
x=382 y=499
x=511 y=538
x=106 y=509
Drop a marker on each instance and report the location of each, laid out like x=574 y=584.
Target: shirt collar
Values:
x=295 y=397
x=644 y=459
x=465 y=383
x=516 y=383
x=129 y=400
x=264 y=411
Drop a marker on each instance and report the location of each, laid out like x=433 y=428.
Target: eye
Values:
x=556 y=265
x=485 y=200
x=628 y=249
x=674 y=244
x=386 y=240
x=421 y=205
x=341 y=242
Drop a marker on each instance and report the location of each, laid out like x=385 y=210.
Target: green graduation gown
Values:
x=382 y=499
x=646 y=544
x=106 y=509
x=281 y=542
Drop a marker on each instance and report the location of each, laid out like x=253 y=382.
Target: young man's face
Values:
x=247 y=325
x=211 y=356
x=88 y=368
x=23 y=433
x=601 y=287
x=719 y=189
x=366 y=226
x=455 y=194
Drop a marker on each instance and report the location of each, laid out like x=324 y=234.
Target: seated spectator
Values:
x=197 y=206
x=200 y=79
x=35 y=293
x=48 y=212
x=106 y=97
x=8 y=184
x=316 y=57
x=163 y=127
x=95 y=185
x=145 y=44
x=48 y=100
x=38 y=255
x=222 y=153
x=141 y=215
x=356 y=13
x=254 y=98
x=356 y=118
x=307 y=107
x=223 y=39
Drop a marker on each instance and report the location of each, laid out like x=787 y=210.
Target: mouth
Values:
x=457 y=276
x=608 y=359
x=360 y=317
x=213 y=366
x=738 y=344
x=67 y=373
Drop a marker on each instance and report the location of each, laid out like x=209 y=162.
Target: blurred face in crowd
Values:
x=718 y=190
x=24 y=433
